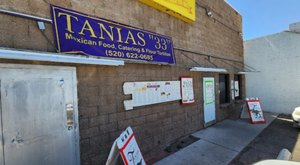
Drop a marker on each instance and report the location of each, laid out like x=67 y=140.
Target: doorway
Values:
x=209 y=101
x=39 y=115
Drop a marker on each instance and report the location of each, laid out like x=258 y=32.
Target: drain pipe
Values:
x=25 y=15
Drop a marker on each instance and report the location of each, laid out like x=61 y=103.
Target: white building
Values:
x=277 y=59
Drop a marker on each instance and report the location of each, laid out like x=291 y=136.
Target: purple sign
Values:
x=80 y=33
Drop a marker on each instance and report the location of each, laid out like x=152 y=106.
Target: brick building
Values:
x=213 y=41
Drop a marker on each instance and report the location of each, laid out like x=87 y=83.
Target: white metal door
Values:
x=35 y=126
x=209 y=100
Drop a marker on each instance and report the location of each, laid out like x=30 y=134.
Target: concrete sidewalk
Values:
x=218 y=144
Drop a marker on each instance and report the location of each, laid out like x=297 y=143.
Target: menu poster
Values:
x=187 y=90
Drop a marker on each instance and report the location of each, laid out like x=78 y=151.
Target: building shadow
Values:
x=278 y=135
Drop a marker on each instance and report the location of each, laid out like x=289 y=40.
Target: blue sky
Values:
x=264 y=17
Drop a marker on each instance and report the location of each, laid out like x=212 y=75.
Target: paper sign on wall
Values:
x=187 y=90
x=209 y=92
x=255 y=111
x=232 y=90
x=236 y=89
x=128 y=149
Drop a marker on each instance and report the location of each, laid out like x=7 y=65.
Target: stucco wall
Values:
x=277 y=58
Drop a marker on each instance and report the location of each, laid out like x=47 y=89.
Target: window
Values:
x=224 y=88
x=237 y=87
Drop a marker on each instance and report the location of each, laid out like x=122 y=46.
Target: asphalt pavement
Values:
x=278 y=135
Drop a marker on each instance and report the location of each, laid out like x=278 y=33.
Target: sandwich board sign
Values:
x=255 y=111
x=126 y=146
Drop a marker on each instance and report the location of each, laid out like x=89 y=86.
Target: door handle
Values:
x=70 y=116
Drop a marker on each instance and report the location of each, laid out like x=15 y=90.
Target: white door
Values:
x=39 y=115
x=209 y=101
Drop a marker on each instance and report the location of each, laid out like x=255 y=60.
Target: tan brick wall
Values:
x=102 y=115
